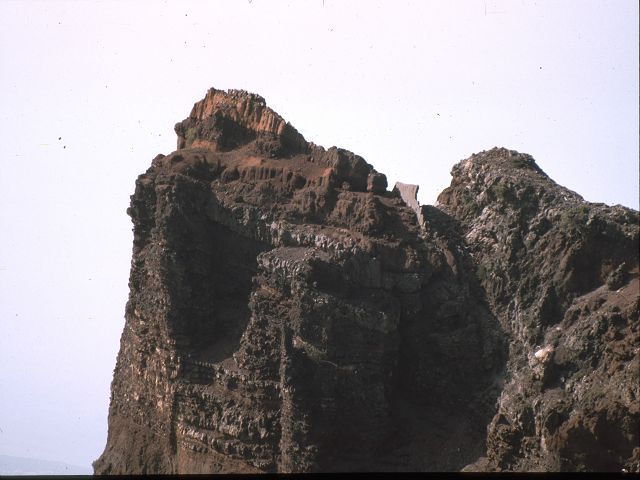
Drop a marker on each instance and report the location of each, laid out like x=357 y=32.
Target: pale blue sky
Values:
x=90 y=92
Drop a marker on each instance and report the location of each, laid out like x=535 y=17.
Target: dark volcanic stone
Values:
x=289 y=314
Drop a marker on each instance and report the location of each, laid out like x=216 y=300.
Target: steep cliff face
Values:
x=561 y=276
x=288 y=313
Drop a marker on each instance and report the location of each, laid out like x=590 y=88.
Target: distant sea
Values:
x=35 y=466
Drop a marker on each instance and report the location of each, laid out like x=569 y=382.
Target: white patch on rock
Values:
x=543 y=354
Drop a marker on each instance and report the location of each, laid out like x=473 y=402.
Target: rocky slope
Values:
x=288 y=313
x=561 y=276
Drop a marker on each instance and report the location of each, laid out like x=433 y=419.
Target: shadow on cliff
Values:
x=209 y=270
x=452 y=360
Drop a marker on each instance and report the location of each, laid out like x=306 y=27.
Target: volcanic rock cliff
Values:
x=288 y=313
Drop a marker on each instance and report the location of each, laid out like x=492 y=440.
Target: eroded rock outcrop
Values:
x=287 y=313
x=561 y=276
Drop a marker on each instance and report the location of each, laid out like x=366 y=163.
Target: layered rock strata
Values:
x=289 y=314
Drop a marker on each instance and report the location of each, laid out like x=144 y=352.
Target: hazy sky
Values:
x=90 y=92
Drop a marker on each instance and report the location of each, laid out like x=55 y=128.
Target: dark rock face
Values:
x=561 y=276
x=287 y=313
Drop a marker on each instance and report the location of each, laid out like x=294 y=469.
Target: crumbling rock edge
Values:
x=287 y=313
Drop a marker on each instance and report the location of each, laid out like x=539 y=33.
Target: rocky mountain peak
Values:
x=288 y=313
x=224 y=120
x=501 y=178
x=505 y=200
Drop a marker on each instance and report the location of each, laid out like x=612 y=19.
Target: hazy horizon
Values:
x=10 y=465
x=91 y=92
